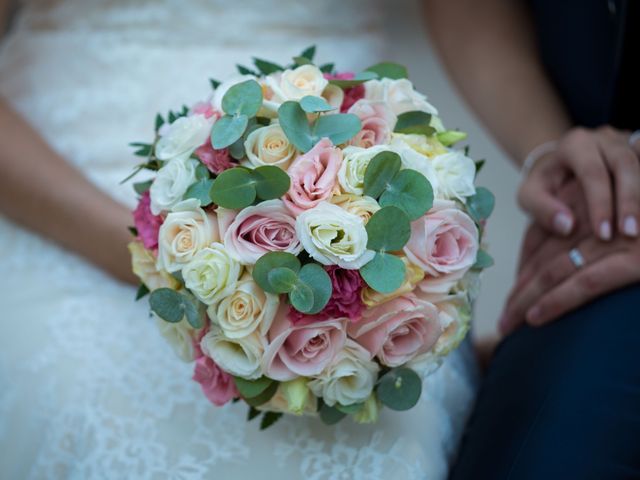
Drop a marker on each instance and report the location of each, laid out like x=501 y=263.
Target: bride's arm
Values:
x=41 y=191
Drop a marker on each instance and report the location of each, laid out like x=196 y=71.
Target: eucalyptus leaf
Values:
x=388 y=229
x=252 y=388
x=414 y=121
x=244 y=98
x=166 y=303
x=263 y=397
x=270 y=261
x=228 y=130
x=301 y=297
x=481 y=204
x=380 y=171
x=410 y=191
x=316 y=277
x=202 y=172
x=236 y=149
x=192 y=312
x=330 y=415
x=359 y=79
x=390 y=70
x=270 y=182
x=295 y=125
x=266 y=67
x=400 y=388
x=349 y=409
x=313 y=104
x=282 y=279
x=483 y=260
x=201 y=190
x=338 y=128
x=385 y=273
x=234 y=189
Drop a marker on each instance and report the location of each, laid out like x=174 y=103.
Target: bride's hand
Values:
x=608 y=169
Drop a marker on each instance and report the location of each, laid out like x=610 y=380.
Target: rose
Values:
x=398 y=330
x=212 y=274
x=398 y=94
x=456 y=173
x=354 y=165
x=349 y=378
x=434 y=287
x=183 y=136
x=147 y=224
x=297 y=83
x=171 y=183
x=455 y=318
x=369 y=412
x=302 y=350
x=218 y=386
x=269 y=146
x=333 y=236
x=184 y=233
x=224 y=87
x=351 y=94
x=247 y=309
x=428 y=146
x=300 y=402
x=334 y=96
x=313 y=176
x=216 y=161
x=204 y=108
x=237 y=356
x=262 y=228
x=143 y=263
x=377 y=121
x=414 y=160
x=179 y=336
x=444 y=241
x=364 y=206
x=413 y=276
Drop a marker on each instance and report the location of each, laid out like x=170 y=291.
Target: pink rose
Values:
x=313 y=176
x=378 y=121
x=217 y=385
x=444 y=241
x=398 y=330
x=217 y=161
x=351 y=94
x=256 y=230
x=147 y=224
x=303 y=349
x=345 y=298
x=434 y=288
x=206 y=109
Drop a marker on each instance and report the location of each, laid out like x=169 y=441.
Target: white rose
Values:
x=428 y=146
x=398 y=94
x=182 y=235
x=144 y=267
x=237 y=356
x=355 y=161
x=455 y=318
x=247 y=309
x=456 y=173
x=171 y=183
x=292 y=85
x=183 y=136
x=180 y=336
x=224 y=87
x=212 y=274
x=364 y=206
x=333 y=236
x=349 y=379
x=269 y=146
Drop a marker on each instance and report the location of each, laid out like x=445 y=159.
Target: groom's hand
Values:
x=549 y=284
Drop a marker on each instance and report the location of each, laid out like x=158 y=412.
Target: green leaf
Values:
x=390 y=70
x=214 y=83
x=270 y=182
x=266 y=67
x=133 y=231
x=327 y=68
x=450 y=137
x=480 y=205
x=380 y=171
x=234 y=189
x=264 y=397
x=301 y=297
x=318 y=280
x=201 y=190
x=313 y=104
x=359 y=79
x=282 y=279
x=414 y=121
x=228 y=130
x=349 y=409
x=309 y=52
x=236 y=149
x=252 y=388
x=410 y=191
x=479 y=165
x=141 y=187
x=252 y=413
x=270 y=261
x=483 y=260
x=142 y=291
x=338 y=128
x=269 y=419
x=400 y=388
x=173 y=306
x=244 y=98
x=385 y=273
x=388 y=229
x=295 y=125
x=299 y=61
x=330 y=415
x=159 y=122
x=202 y=172
x=192 y=312
x=242 y=70
x=142 y=149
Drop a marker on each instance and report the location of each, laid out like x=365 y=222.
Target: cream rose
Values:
x=333 y=236
x=212 y=274
x=269 y=146
x=364 y=206
x=179 y=336
x=183 y=136
x=171 y=183
x=247 y=309
x=144 y=267
x=297 y=83
x=355 y=161
x=334 y=96
x=455 y=317
x=183 y=234
x=456 y=173
x=349 y=379
x=398 y=94
x=414 y=160
x=237 y=356
x=428 y=146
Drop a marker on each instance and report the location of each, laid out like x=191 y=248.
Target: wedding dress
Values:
x=88 y=387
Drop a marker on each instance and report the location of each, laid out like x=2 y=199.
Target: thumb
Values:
x=536 y=198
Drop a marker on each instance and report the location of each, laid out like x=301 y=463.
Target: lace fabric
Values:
x=88 y=388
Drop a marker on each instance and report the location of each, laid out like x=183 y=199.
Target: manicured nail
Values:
x=533 y=315
x=630 y=226
x=563 y=223
x=605 y=230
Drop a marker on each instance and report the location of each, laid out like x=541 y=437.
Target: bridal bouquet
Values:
x=311 y=240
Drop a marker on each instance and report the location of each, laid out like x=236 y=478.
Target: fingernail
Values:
x=631 y=226
x=563 y=223
x=605 y=230
x=533 y=315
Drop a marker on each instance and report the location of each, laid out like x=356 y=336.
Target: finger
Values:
x=609 y=274
x=536 y=197
x=625 y=166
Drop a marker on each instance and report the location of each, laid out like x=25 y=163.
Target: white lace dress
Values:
x=88 y=388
